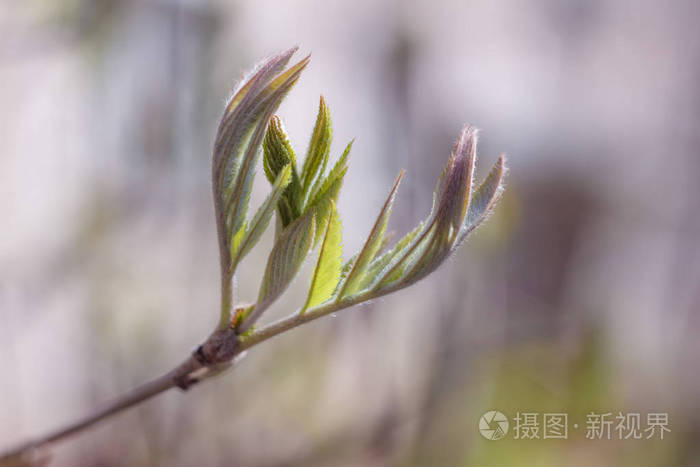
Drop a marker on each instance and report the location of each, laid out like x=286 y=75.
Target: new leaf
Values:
x=327 y=273
x=371 y=247
x=283 y=263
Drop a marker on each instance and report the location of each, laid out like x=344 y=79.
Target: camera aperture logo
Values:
x=493 y=425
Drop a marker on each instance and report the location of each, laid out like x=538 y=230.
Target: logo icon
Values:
x=493 y=425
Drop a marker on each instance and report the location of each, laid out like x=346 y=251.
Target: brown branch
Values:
x=24 y=452
x=210 y=359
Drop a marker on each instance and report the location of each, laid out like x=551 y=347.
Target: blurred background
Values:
x=580 y=294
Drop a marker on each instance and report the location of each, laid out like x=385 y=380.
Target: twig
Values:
x=135 y=396
x=210 y=359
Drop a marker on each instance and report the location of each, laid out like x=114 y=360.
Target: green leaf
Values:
x=382 y=262
x=484 y=199
x=237 y=239
x=322 y=207
x=319 y=148
x=283 y=263
x=241 y=115
x=399 y=271
x=334 y=180
x=238 y=141
x=388 y=237
x=347 y=266
x=278 y=152
x=371 y=246
x=436 y=240
x=262 y=217
x=239 y=119
x=327 y=273
x=434 y=249
x=236 y=204
x=344 y=271
x=327 y=191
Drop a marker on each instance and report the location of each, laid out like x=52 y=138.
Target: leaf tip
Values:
x=466 y=144
x=304 y=61
x=402 y=172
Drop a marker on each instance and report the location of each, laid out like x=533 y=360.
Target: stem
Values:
x=298 y=318
x=224 y=253
x=226 y=300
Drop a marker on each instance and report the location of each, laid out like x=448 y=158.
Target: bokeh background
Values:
x=579 y=295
